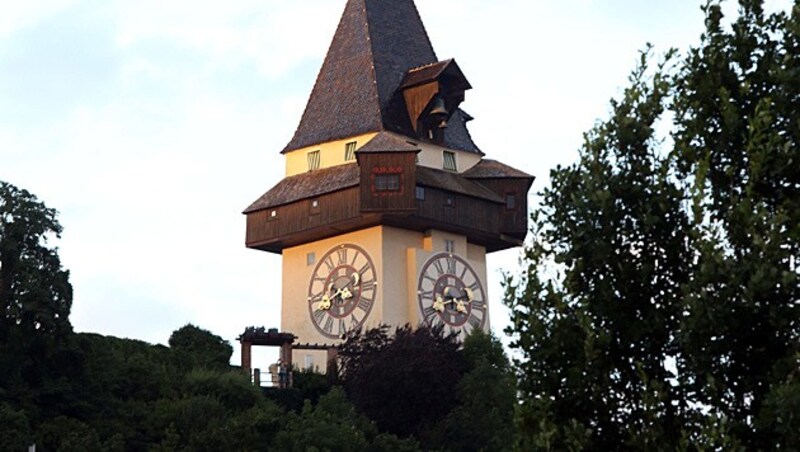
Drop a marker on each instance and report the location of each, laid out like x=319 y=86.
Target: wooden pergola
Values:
x=261 y=336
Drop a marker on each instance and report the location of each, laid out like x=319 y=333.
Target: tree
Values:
x=335 y=425
x=483 y=420
x=35 y=294
x=35 y=301
x=737 y=139
x=659 y=309
x=598 y=337
x=406 y=383
x=197 y=347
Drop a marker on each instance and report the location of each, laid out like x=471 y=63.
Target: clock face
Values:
x=341 y=291
x=450 y=294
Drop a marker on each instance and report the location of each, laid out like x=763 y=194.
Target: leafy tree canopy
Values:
x=35 y=294
x=407 y=382
x=659 y=309
x=200 y=348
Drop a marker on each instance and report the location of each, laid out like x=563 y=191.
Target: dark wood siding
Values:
x=514 y=221
x=460 y=210
x=395 y=163
x=301 y=216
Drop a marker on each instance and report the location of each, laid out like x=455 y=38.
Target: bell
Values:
x=439 y=108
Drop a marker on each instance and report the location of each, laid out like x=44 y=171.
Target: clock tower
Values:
x=387 y=208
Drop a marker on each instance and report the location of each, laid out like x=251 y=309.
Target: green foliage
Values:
x=64 y=433
x=483 y=420
x=311 y=384
x=15 y=431
x=597 y=336
x=406 y=383
x=35 y=299
x=738 y=138
x=35 y=294
x=232 y=389
x=660 y=306
x=334 y=425
x=197 y=347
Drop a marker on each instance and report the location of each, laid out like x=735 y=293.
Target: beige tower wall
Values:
x=331 y=154
x=434 y=242
x=398 y=256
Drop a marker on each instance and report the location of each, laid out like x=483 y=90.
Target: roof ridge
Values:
x=425 y=66
x=376 y=94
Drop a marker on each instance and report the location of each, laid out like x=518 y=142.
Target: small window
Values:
x=311 y=258
x=449 y=161
x=350 y=151
x=313 y=206
x=313 y=160
x=420 y=193
x=387 y=182
x=450 y=201
x=450 y=246
x=273 y=215
x=511 y=201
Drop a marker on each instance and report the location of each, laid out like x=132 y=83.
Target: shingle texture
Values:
x=492 y=169
x=455 y=183
x=308 y=185
x=387 y=142
x=357 y=89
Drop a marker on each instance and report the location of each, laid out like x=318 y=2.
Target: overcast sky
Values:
x=151 y=124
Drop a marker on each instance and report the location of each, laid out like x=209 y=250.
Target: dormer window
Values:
x=449 y=161
x=313 y=160
x=387 y=180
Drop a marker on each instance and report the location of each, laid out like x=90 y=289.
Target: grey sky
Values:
x=151 y=124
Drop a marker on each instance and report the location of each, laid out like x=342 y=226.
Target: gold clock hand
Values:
x=326 y=303
x=439 y=304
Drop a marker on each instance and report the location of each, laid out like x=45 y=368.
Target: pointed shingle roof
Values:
x=387 y=142
x=357 y=90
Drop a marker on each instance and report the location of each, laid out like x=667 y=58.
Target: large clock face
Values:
x=341 y=291
x=451 y=294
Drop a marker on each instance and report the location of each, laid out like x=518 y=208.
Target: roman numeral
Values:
x=364 y=304
x=475 y=285
x=342 y=326
x=437 y=264
x=329 y=263
x=342 y=254
x=318 y=316
x=475 y=322
x=427 y=295
x=367 y=286
x=329 y=325
x=451 y=265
